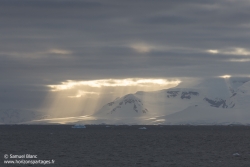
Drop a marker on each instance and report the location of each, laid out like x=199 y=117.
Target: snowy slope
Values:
x=240 y=99
x=236 y=83
x=170 y=100
x=206 y=116
x=14 y=116
x=127 y=106
x=211 y=101
x=207 y=93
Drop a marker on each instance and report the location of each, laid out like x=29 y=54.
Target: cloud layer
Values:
x=48 y=42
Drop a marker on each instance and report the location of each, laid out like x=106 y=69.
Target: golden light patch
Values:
x=75 y=98
x=140 y=82
x=81 y=93
x=231 y=51
x=59 y=51
x=225 y=76
x=213 y=51
x=240 y=51
x=141 y=47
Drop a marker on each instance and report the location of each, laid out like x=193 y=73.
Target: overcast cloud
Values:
x=46 y=42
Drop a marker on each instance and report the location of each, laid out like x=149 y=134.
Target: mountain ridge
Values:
x=234 y=97
x=216 y=101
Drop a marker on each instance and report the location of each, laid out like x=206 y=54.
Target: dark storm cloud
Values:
x=48 y=41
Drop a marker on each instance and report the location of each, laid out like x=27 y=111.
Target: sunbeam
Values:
x=75 y=98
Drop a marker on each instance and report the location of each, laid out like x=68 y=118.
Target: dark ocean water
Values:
x=127 y=145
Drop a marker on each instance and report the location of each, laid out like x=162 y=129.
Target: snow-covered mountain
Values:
x=127 y=106
x=220 y=101
x=240 y=98
x=197 y=115
x=210 y=101
x=15 y=116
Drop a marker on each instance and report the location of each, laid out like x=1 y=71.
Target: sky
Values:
x=47 y=42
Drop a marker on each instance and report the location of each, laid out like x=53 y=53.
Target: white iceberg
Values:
x=79 y=126
x=236 y=154
x=142 y=128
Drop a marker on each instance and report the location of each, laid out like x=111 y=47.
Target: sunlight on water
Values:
x=64 y=120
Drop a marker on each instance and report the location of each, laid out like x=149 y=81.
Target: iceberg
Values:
x=142 y=128
x=79 y=126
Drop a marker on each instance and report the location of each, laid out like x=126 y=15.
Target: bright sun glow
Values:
x=141 y=47
x=59 y=51
x=75 y=98
x=113 y=83
x=213 y=51
x=231 y=51
x=81 y=93
x=241 y=51
x=225 y=76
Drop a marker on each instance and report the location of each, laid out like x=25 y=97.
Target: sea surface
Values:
x=109 y=145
